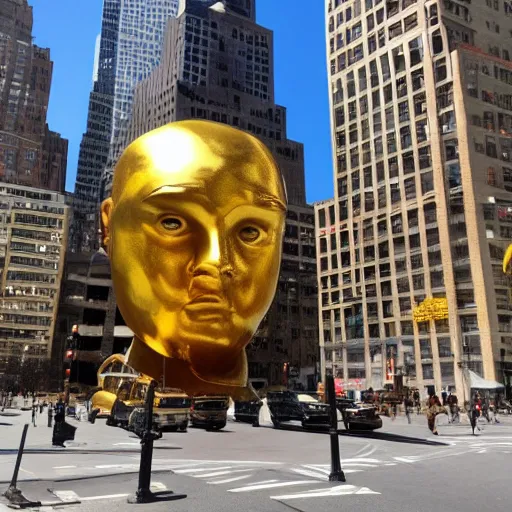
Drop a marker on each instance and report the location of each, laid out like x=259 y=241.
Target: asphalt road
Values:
x=399 y=468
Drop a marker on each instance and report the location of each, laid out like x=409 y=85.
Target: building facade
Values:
x=418 y=212
x=33 y=231
x=129 y=48
x=26 y=144
x=217 y=64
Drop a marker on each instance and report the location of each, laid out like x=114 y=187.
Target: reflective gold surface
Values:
x=194 y=232
x=507 y=259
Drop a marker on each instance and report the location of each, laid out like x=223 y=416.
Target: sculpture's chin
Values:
x=188 y=377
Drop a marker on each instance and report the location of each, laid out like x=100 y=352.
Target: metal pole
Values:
x=337 y=474
x=14 y=481
x=144 y=493
x=13 y=494
x=146 y=453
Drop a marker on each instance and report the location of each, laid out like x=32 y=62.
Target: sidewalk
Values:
x=39 y=438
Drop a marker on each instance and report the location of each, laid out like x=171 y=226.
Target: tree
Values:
x=29 y=374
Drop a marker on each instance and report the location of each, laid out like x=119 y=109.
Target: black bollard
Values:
x=13 y=494
x=144 y=493
x=337 y=474
x=49 y=415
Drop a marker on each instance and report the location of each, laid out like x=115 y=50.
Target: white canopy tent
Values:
x=477 y=382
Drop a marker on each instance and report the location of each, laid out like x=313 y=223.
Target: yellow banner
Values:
x=431 y=309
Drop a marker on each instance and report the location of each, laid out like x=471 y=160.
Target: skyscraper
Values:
x=129 y=48
x=410 y=249
x=25 y=80
x=217 y=64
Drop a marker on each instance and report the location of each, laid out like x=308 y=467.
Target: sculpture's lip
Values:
x=208 y=300
x=209 y=304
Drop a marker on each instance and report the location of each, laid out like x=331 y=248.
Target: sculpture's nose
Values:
x=213 y=259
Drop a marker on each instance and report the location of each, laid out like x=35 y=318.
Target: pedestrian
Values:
x=475 y=412
x=417 y=401
x=408 y=405
x=34 y=413
x=434 y=408
x=60 y=411
x=453 y=406
x=50 y=414
x=485 y=409
x=444 y=396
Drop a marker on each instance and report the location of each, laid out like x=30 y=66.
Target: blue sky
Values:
x=69 y=28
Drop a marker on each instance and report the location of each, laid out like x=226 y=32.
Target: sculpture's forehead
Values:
x=180 y=157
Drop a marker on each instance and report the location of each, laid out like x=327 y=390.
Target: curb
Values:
x=83 y=451
x=80 y=478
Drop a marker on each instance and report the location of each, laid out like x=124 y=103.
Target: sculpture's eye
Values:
x=171 y=224
x=250 y=234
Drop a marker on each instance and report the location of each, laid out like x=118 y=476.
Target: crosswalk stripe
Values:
x=340 y=490
x=270 y=486
x=229 y=480
x=221 y=473
x=106 y=497
x=313 y=474
x=200 y=470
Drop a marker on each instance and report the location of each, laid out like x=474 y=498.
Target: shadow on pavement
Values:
x=368 y=434
x=58 y=450
x=5 y=424
x=396 y=438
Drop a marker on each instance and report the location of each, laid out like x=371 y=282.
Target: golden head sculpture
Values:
x=193 y=230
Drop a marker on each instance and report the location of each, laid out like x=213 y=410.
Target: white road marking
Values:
x=322 y=469
x=367 y=454
x=405 y=459
x=365 y=490
x=270 y=486
x=200 y=470
x=221 y=473
x=64 y=467
x=27 y=471
x=229 y=480
x=360 y=459
x=106 y=497
x=344 y=464
x=126 y=444
x=66 y=496
x=339 y=490
x=117 y=466
x=305 y=472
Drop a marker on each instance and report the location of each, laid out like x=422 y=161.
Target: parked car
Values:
x=295 y=406
x=209 y=412
x=247 y=412
x=357 y=416
x=171 y=409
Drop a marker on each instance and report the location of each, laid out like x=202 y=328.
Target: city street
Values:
x=400 y=467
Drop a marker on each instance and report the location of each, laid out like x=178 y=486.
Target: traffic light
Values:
x=75 y=337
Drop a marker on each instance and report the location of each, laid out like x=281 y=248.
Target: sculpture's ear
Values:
x=106 y=212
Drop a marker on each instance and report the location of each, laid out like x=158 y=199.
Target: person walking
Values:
x=34 y=414
x=475 y=412
x=453 y=406
x=408 y=406
x=417 y=401
x=434 y=408
x=50 y=414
